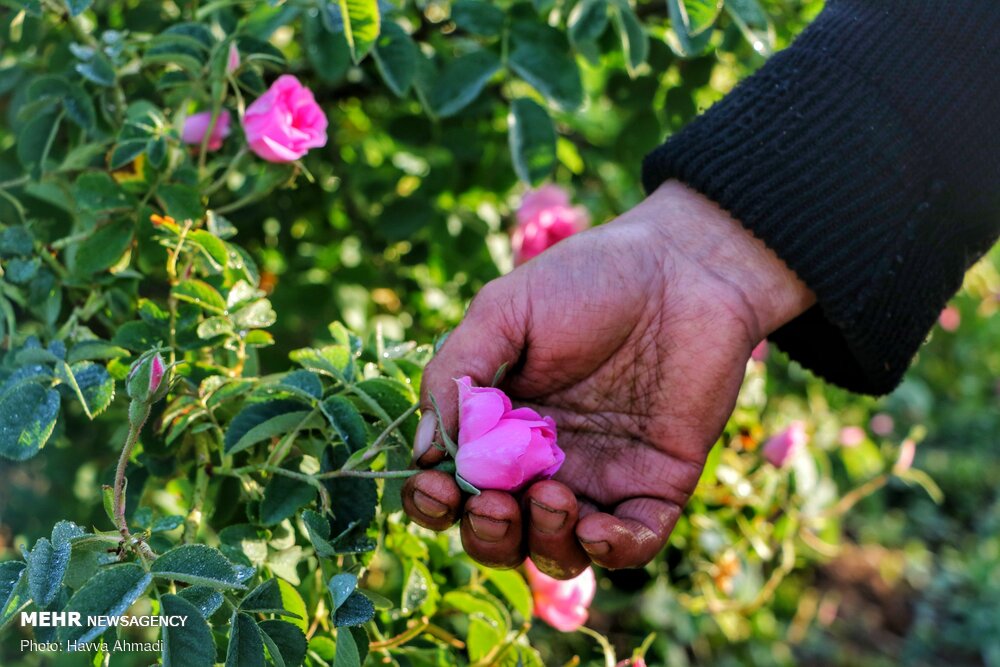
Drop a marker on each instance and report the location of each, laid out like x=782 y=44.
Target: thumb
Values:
x=491 y=335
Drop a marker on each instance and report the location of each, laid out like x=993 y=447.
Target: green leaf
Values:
x=285 y=639
x=275 y=427
x=48 y=562
x=77 y=7
x=341 y=587
x=532 y=140
x=347 y=650
x=361 y=25
x=265 y=599
x=246 y=646
x=419 y=592
x=212 y=247
x=540 y=55
x=110 y=592
x=93 y=385
x=102 y=249
x=396 y=57
x=750 y=17
x=254 y=415
x=28 y=414
x=293 y=603
x=35 y=139
x=182 y=202
x=691 y=22
x=478 y=604
x=588 y=20
x=328 y=53
x=205 y=599
x=197 y=564
x=335 y=361
x=356 y=610
x=461 y=81
x=482 y=638
x=303 y=384
x=346 y=421
x=98 y=70
x=127 y=151
x=283 y=496
x=478 y=17
x=635 y=41
x=200 y=294
x=255 y=315
x=80 y=107
x=97 y=191
x=243 y=541
x=156 y=151
x=190 y=645
x=513 y=587
x=13 y=590
x=354 y=499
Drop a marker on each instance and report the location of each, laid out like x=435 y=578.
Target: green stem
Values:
x=376 y=446
x=193 y=520
x=138 y=414
x=368 y=474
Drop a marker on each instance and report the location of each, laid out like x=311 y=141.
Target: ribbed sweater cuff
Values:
x=809 y=158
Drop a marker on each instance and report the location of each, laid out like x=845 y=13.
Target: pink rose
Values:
x=285 y=122
x=780 y=449
x=561 y=604
x=232 y=58
x=950 y=318
x=852 y=436
x=499 y=447
x=196 y=125
x=544 y=218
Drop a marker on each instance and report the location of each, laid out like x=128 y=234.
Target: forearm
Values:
x=865 y=157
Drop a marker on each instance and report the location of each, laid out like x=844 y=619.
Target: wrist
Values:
x=764 y=291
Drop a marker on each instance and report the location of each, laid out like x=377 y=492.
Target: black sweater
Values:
x=867 y=156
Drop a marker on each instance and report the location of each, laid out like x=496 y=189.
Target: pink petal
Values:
x=491 y=462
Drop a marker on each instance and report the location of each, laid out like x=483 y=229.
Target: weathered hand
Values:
x=634 y=336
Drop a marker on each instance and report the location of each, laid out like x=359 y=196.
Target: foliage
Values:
x=260 y=499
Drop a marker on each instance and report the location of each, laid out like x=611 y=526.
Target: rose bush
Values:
x=183 y=431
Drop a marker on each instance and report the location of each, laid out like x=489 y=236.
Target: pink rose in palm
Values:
x=544 y=218
x=196 y=126
x=562 y=604
x=782 y=448
x=500 y=447
x=285 y=122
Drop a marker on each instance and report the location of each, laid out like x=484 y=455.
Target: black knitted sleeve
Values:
x=867 y=156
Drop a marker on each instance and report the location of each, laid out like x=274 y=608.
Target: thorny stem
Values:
x=136 y=422
x=193 y=520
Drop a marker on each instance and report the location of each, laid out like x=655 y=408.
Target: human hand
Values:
x=634 y=337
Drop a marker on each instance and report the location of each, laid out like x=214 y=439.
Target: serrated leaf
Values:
x=691 y=24
x=246 y=646
x=354 y=499
x=254 y=415
x=396 y=57
x=35 y=139
x=513 y=587
x=212 y=247
x=286 y=639
x=188 y=645
x=346 y=421
x=333 y=360
x=183 y=202
x=275 y=427
x=13 y=589
x=110 y=592
x=205 y=599
x=362 y=24
x=532 y=140
x=93 y=385
x=341 y=586
x=244 y=542
x=126 y=151
x=635 y=41
x=356 y=610
x=97 y=191
x=301 y=383
x=293 y=603
x=48 y=562
x=27 y=417
x=98 y=70
x=197 y=564
x=419 y=592
x=283 y=496
x=540 y=55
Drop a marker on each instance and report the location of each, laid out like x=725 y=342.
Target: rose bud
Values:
x=562 y=604
x=780 y=449
x=500 y=447
x=544 y=218
x=147 y=381
x=232 y=58
x=196 y=125
x=285 y=122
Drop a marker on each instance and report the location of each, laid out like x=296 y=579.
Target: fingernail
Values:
x=487 y=529
x=424 y=436
x=432 y=507
x=545 y=519
x=599 y=548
